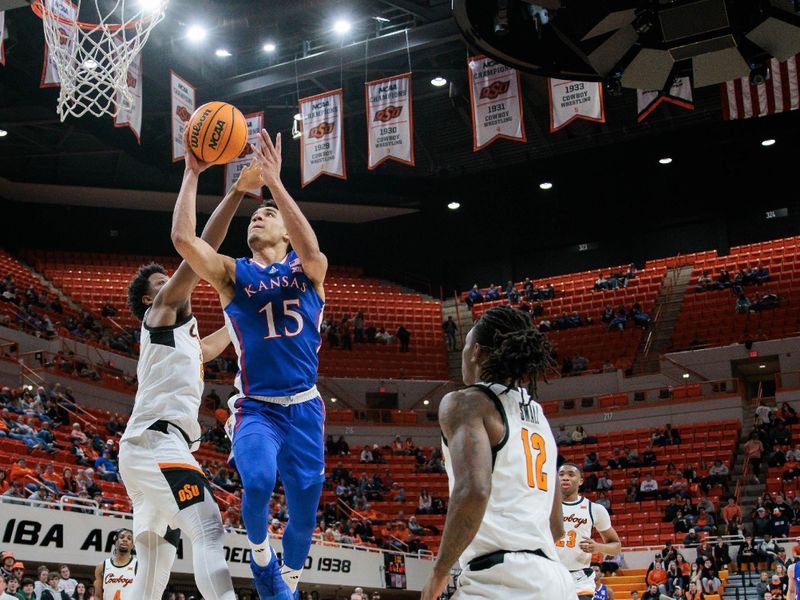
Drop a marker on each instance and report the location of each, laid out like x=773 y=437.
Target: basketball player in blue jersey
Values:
x=273 y=308
x=601 y=592
x=794 y=581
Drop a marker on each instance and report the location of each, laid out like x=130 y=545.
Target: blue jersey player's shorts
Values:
x=296 y=432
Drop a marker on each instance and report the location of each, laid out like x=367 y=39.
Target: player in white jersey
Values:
x=581 y=516
x=500 y=456
x=168 y=489
x=113 y=578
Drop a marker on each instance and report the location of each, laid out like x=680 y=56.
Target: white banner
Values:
x=182 y=106
x=496 y=102
x=679 y=94
x=390 y=122
x=2 y=38
x=322 y=144
x=44 y=536
x=67 y=36
x=132 y=116
x=255 y=122
x=571 y=100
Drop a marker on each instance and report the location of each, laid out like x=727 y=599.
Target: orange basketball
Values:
x=217 y=133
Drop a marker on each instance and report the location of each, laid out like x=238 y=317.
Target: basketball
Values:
x=217 y=132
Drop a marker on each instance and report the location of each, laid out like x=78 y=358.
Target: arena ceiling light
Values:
x=222 y=53
x=665 y=161
x=150 y=6
x=686 y=376
x=333 y=400
x=546 y=185
x=438 y=81
x=381 y=19
x=769 y=142
x=269 y=47
x=3 y=133
x=426 y=402
x=196 y=33
x=342 y=26
x=454 y=206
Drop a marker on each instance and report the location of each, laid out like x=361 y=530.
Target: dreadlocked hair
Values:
x=517 y=350
x=138 y=287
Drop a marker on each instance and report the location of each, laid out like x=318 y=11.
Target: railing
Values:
x=349 y=512
x=367 y=416
x=789 y=380
x=461 y=335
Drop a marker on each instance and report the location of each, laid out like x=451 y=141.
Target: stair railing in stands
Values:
x=746 y=467
x=349 y=512
x=461 y=336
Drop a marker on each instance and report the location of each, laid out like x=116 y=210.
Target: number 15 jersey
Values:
x=273 y=321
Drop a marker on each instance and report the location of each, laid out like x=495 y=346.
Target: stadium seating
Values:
x=94 y=279
x=630 y=580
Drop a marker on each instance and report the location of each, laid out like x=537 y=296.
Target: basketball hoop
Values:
x=92 y=57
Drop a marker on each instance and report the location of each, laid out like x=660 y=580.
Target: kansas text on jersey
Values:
x=274 y=320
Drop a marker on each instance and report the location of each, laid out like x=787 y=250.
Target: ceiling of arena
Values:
x=309 y=59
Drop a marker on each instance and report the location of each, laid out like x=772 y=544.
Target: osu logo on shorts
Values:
x=188 y=492
x=493 y=91
x=321 y=130
x=388 y=113
x=183 y=113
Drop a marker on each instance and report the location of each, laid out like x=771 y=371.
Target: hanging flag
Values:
x=571 y=100
x=390 y=123
x=322 y=144
x=67 y=37
x=182 y=106
x=2 y=38
x=496 y=102
x=255 y=123
x=131 y=116
x=680 y=94
x=780 y=93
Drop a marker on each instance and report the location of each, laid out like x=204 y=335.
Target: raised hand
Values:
x=269 y=157
x=193 y=164
x=250 y=177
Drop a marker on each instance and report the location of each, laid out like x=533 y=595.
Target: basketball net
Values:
x=92 y=58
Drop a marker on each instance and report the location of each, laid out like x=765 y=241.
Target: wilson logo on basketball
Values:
x=216 y=135
x=188 y=492
x=195 y=135
x=183 y=113
x=388 y=113
x=577 y=521
x=321 y=130
x=121 y=579
x=497 y=88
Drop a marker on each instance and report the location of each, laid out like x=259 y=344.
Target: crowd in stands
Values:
x=753 y=275
x=21 y=583
x=355 y=330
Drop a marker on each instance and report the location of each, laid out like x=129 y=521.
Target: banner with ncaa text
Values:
x=496 y=102
x=322 y=144
x=390 y=123
x=67 y=37
x=131 y=116
x=572 y=100
x=182 y=102
x=255 y=122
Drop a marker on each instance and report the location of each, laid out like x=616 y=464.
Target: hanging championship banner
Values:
x=679 y=94
x=572 y=100
x=132 y=116
x=322 y=144
x=2 y=38
x=496 y=102
x=67 y=36
x=183 y=104
x=255 y=122
x=390 y=124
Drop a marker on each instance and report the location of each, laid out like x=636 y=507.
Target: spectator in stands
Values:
x=732 y=517
x=768 y=300
x=648 y=489
x=786 y=414
x=658 y=577
x=579 y=363
x=425 y=503
x=106 y=468
x=764 y=584
x=704 y=281
x=704 y=521
x=404 y=336
x=779 y=524
x=652 y=593
x=776 y=457
x=592 y=463
x=753 y=451
x=366 y=456
x=512 y=293
x=450 y=330
x=691 y=540
x=51 y=591
x=343 y=448
x=619 y=320
x=601 y=283
x=578 y=435
x=608 y=314
x=358 y=327
x=780 y=434
x=718 y=474
x=474 y=297
x=709 y=576
x=493 y=293
x=742 y=304
x=640 y=318
x=768 y=549
x=384 y=337
x=760 y=522
x=562 y=436
x=346 y=333
x=649 y=457
x=671 y=510
x=603 y=482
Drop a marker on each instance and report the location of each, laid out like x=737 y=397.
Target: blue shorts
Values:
x=297 y=432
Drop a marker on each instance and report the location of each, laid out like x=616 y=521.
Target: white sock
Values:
x=261 y=552
x=291 y=577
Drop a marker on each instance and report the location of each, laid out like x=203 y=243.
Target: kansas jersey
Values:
x=523 y=480
x=580 y=517
x=118 y=581
x=601 y=593
x=170 y=374
x=274 y=321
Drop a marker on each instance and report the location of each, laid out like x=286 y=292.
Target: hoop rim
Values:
x=38 y=9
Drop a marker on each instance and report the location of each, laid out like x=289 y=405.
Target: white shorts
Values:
x=584 y=584
x=161 y=477
x=521 y=576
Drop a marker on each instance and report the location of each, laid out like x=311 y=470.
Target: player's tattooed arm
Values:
x=98 y=581
x=301 y=234
x=214 y=344
x=461 y=416
x=557 y=516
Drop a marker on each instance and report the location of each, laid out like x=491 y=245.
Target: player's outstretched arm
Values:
x=301 y=235
x=214 y=344
x=461 y=416
x=218 y=270
x=98 y=581
x=182 y=283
